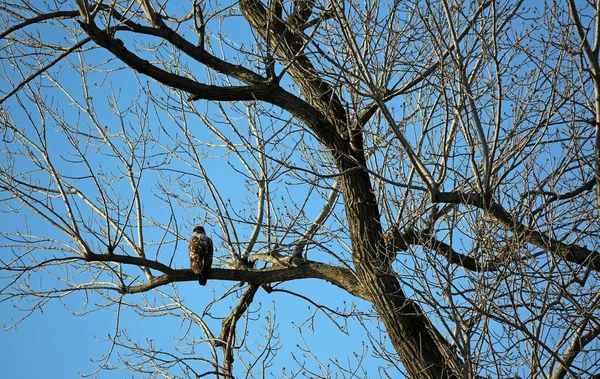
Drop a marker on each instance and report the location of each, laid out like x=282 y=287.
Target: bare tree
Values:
x=437 y=161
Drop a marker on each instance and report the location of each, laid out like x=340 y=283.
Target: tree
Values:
x=439 y=161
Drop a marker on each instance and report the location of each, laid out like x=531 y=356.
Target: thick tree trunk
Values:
x=422 y=350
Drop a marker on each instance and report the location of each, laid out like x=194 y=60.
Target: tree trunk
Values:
x=422 y=350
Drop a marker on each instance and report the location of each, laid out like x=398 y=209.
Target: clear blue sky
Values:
x=53 y=342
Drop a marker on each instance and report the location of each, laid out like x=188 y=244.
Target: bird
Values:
x=201 y=254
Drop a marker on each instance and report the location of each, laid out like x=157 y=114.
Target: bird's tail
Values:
x=202 y=280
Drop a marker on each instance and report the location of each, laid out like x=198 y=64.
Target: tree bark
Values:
x=422 y=350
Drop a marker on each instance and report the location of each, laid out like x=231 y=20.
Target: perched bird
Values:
x=201 y=254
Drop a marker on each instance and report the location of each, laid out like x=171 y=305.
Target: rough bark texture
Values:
x=423 y=351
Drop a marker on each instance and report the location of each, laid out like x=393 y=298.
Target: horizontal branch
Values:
x=397 y=241
x=338 y=276
x=196 y=89
x=58 y=15
x=553 y=196
x=568 y=252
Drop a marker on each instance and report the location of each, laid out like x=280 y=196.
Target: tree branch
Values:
x=317 y=92
x=569 y=252
x=265 y=91
x=37 y=73
x=228 y=326
x=338 y=276
x=58 y=15
x=396 y=241
x=198 y=90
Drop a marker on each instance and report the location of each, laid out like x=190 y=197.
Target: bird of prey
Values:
x=201 y=254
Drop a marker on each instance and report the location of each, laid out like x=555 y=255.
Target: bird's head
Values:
x=199 y=230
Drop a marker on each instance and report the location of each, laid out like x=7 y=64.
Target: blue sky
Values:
x=55 y=343
x=201 y=164
x=63 y=345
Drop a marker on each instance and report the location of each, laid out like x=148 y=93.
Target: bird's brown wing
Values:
x=207 y=248
x=195 y=258
x=201 y=255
